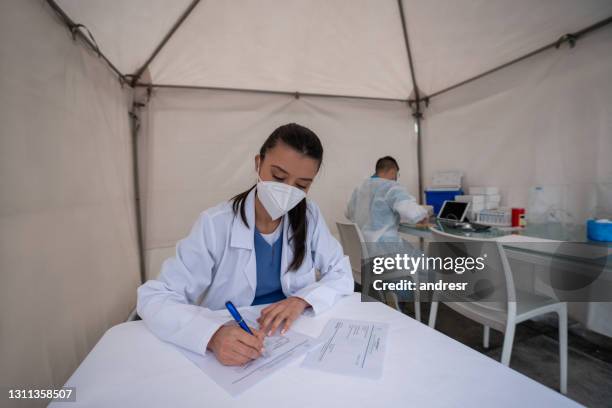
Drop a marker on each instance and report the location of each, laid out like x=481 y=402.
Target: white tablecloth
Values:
x=131 y=367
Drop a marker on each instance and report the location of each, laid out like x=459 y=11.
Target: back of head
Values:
x=387 y=167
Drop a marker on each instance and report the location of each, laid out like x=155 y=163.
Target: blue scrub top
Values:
x=268 y=260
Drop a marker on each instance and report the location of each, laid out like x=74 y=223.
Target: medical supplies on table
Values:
x=490 y=197
x=599 y=230
x=545 y=204
x=518 y=217
x=495 y=218
x=483 y=190
x=480 y=198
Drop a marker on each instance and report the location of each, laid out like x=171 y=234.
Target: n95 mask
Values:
x=278 y=198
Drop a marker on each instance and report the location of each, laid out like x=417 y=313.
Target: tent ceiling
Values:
x=452 y=41
x=340 y=47
x=126 y=31
x=352 y=47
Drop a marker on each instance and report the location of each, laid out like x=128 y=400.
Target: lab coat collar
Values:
x=243 y=236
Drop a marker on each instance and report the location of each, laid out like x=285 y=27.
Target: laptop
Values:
x=453 y=213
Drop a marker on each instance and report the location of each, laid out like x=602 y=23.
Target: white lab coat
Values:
x=216 y=263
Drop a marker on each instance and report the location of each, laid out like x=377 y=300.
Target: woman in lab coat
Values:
x=262 y=246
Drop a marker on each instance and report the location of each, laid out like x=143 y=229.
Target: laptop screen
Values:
x=453 y=210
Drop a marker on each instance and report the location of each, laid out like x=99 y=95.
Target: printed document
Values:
x=280 y=350
x=350 y=347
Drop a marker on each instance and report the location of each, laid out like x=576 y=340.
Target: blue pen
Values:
x=234 y=312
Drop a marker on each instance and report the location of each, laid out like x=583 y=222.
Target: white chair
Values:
x=500 y=305
x=356 y=249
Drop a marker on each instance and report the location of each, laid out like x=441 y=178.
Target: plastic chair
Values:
x=497 y=303
x=355 y=247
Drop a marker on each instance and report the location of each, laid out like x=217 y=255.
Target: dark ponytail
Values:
x=306 y=142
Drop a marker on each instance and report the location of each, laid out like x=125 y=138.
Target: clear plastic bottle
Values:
x=537 y=208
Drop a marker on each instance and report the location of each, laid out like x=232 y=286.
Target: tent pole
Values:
x=407 y=43
x=417 y=120
x=417 y=114
x=135 y=122
x=138 y=74
x=263 y=91
x=571 y=38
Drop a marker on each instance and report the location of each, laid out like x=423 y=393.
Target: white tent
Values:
x=514 y=93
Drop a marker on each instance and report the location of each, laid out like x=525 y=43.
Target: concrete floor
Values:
x=536 y=352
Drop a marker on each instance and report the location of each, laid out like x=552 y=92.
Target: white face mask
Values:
x=278 y=198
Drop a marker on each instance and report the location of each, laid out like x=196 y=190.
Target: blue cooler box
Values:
x=436 y=198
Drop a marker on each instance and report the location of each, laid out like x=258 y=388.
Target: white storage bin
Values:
x=492 y=198
x=483 y=190
x=474 y=199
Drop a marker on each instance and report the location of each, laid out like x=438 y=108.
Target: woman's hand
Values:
x=234 y=346
x=286 y=311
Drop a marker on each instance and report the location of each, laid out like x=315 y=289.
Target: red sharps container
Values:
x=517 y=214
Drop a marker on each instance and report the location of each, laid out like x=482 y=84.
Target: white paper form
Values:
x=280 y=350
x=350 y=347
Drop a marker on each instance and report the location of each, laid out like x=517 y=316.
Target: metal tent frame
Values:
x=416 y=104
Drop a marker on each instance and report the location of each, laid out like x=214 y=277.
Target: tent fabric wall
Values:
x=546 y=122
x=68 y=252
x=201 y=145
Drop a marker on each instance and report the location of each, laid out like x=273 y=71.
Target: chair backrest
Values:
x=353 y=245
x=492 y=287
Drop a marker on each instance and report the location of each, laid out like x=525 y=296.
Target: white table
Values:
x=131 y=367
x=590 y=307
